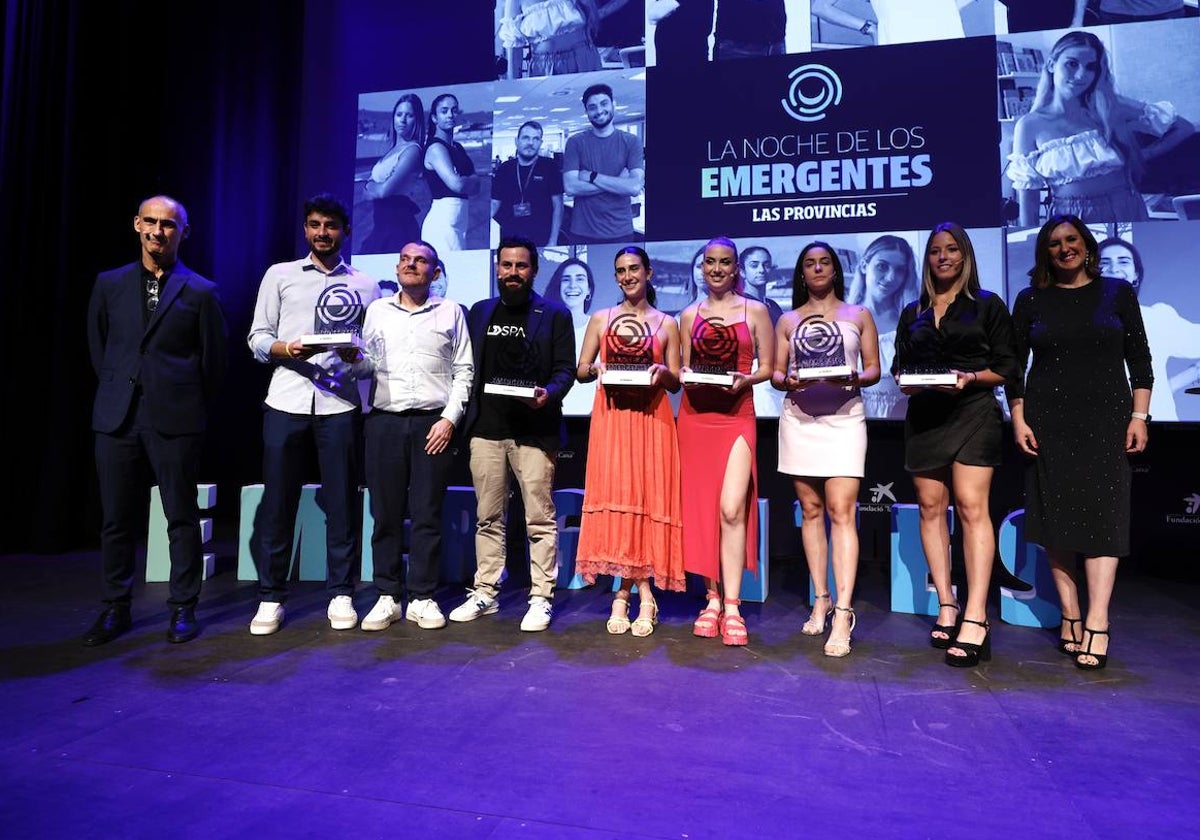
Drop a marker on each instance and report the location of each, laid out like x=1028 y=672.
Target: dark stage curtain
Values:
x=104 y=104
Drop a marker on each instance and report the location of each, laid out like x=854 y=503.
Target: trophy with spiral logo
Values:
x=337 y=319
x=819 y=350
x=629 y=348
x=714 y=353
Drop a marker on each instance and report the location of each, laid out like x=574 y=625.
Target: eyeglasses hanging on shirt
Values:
x=151 y=294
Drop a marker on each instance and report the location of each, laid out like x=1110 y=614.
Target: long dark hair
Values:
x=432 y=129
x=800 y=288
x=1042 y=274
x=554 y=287
x=644 y=258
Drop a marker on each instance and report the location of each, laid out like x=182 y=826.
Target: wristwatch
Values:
x=867 y=26
x=1138 y=415
x=592 y=177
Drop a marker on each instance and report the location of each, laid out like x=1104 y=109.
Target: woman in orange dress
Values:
x=632 y=525
x=718 y=436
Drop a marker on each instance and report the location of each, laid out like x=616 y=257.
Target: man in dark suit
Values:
x=156 y=337
x=517 y=336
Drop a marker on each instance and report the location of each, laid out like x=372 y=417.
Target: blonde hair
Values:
x=968 y=278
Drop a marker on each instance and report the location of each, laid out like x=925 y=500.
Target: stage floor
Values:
x=481 y=731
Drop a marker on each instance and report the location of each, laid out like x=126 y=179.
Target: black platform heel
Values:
x=973 y=654
x=951 y=630
x=1101 y=658
x=1065 y=645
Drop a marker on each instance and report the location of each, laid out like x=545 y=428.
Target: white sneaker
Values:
x=477 y=604
x=381 y=616
x=341 y=613
x=537 y=617
x=267 y=620
x=426 y=613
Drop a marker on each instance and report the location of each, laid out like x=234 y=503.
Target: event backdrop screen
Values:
x=777 y=122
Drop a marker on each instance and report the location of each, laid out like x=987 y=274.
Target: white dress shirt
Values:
x=420 y=358
x=286 y=310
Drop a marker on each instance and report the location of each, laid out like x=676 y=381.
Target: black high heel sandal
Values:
x=1101 y=658
x=951 y=630
x=973 y=654
x=1064 y=645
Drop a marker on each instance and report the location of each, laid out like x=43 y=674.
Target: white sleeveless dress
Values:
x=822 y=428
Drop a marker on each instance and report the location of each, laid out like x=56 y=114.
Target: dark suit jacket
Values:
x=178 y=358
x=551 y=332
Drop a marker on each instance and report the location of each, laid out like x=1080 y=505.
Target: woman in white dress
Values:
x=822 y=427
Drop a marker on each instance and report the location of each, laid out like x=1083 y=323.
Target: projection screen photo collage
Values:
x=862 y=123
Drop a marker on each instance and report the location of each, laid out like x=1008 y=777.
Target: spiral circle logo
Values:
x=339 y=306
x=629 y=341
x=817 y=338
x=812 y=89
x=715 y=343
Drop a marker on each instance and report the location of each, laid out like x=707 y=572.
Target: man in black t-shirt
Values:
x=527 y=191
x=518 y=336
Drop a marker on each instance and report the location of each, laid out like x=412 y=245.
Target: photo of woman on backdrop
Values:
x=632 y=525
x=823 y=429
x=952 y=433
x=884 y=280
x=1079 y=141
x=1172 y=336
x=573 y=285
x=391 y=189
x=1078 y=416
x=451 y=178
x=560 y=34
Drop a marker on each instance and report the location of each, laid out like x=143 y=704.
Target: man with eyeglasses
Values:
x=312 y=401
x=156 y=336
x=418 y=355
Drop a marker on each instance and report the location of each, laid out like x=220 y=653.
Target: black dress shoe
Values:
x=111 y=623
x=183 y=625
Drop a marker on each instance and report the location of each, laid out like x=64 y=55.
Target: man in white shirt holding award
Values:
x=418 y=352
x=312 y=401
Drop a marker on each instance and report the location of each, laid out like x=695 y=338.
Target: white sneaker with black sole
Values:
x=425 y=613
x=537 y=617
x=477 y=604
x=382 y=615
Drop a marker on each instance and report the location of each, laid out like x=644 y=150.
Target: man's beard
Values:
x=514 y=296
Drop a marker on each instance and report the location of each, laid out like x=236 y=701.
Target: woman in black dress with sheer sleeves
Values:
x=1078 y=415
x=952 y=433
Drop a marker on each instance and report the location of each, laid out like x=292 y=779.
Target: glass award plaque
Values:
x=507 y=387
x=819 y=350
x=927 y=377
x=629 y=348
x=714 y=353
x=337 y=319
x=708 y=375
x=626 y=374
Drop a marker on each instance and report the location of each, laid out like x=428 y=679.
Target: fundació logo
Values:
x=812 y=89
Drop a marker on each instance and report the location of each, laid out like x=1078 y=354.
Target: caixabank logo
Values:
x=1191 y=511
x=882 y=498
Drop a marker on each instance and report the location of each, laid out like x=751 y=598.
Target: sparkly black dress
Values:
x=965 y=426
x=1077 y=402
